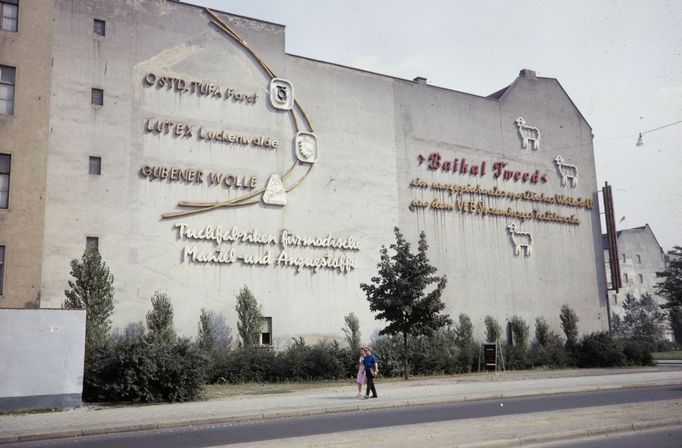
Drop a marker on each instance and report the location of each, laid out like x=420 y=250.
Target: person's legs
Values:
x=370 y=383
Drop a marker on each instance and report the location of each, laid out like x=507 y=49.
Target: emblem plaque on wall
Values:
x=275 y=194
x=306 y=147
x=281 y=94
x=529 y=134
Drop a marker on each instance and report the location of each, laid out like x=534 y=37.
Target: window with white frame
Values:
x=5 y=167
x=7 y=78
x=9 y=13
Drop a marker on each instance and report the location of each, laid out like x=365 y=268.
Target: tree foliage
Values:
x=206 y=332
x=160 y=319
x=493 y=330
x=569 y=323
x=520 y=331
x=351 y=330
x=249 y=318
x=643 y=320
x=92 y=290
x=670 y=288
x=406 y=292
x=464 y=341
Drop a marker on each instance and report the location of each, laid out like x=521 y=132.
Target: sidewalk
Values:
x=88 y=420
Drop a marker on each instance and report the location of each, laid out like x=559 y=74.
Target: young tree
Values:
x=670 y=288
x=493 y=330
x=352 y=332
x=464 y=341
x=643 y=320
x=160 y=319
x=213 y=334
x=520 y=331
x=92 y=290
x=406 y=292
x=544 y=336
x=675 y=317
x=249 y=318
x=569 y=323
x=206 y=333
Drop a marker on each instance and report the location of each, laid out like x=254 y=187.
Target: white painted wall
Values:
x=370 y=129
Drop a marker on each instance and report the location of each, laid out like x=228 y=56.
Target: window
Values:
x=99 y=27
x=266 y=331
x=91 y=243
x=641 y=278
x=639 y=259
x=8 y=14
x=5 y=163
x=623 y=258
x=2 y=268
x=7 y=89
x=95 y=165
x=625 y=278
x=97 y=97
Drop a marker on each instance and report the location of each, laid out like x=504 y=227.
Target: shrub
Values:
x=300 y=362
x=637 y=354
x=599 y=350
x=389 y=350
x=138 y=370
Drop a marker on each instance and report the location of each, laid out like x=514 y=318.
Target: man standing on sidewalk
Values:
x=371 y=370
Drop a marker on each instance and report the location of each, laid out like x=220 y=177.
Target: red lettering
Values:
x=434 y=161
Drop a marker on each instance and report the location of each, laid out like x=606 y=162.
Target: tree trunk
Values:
x=405 y=354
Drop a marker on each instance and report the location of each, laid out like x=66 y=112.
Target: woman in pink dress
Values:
x=361 y=379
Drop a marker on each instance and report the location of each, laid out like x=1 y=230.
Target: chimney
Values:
x=420 y=80
x=526 y=73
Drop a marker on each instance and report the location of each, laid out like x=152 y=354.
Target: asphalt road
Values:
x=225 y=434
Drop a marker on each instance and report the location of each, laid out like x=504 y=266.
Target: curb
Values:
x=90 y=431
x=578 y=434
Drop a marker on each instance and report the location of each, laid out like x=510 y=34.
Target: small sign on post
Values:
x=490 y=356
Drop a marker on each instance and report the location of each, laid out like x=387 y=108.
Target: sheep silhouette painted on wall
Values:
x=520 y=240
x=528 y=133
x=567 y=172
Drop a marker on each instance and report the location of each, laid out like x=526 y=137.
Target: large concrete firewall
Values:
x=503 y=186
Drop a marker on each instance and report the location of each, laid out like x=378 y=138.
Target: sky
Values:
x=619 y=61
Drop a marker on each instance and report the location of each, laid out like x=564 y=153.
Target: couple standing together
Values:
x=368 y=369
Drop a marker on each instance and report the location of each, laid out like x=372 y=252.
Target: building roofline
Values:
x=220 y=11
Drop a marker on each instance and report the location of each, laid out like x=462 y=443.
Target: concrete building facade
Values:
x=640 y=258
x=199 y=158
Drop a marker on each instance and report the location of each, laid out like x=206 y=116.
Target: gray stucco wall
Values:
x=370 y=129
x=41 y=358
